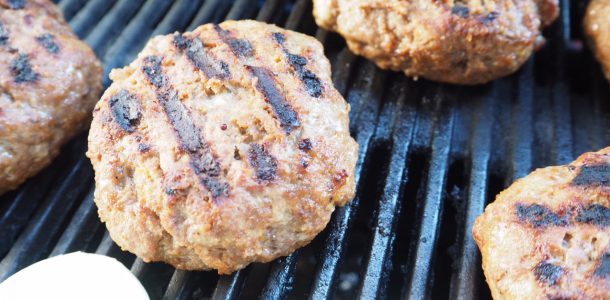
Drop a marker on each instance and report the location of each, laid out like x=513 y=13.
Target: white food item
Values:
x=75 y=276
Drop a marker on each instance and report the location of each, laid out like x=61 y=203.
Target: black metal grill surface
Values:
x=431 y=157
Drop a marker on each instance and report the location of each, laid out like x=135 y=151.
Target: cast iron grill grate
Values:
x=431 y=157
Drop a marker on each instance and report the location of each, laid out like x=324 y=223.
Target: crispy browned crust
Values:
x=221 y=147
x=470 y=42
x=597 y=29
x=49 y=83
x=548 y=235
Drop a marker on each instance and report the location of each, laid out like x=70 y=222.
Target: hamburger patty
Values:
x=461 y=42
x=597 y=29
x=49 y=83
x=548 y=235
x=221 y=147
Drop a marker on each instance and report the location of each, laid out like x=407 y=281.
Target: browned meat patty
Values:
x=221 y=147
x=597 y=28
x=49 y=83
x=548 y=235
x=461 y=42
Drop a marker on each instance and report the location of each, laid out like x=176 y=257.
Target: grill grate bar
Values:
x=436 y=179
x=469 y=264
x=106 y=245
x=523 y=136
x=239 y=10
x=297 y=14
x=211 y=11
x=24 y=205
x=154 y=276
x=176 y=285
x=178 y=17
x=109 y=248
x=134 y=36
x=83 y=230
x=229 y=287
x=342 y=70
x=137 y=268
x=46 y=224
x=84 y=21
x=562 y=111
x=111 y=25
x=266 y=12
x=281 y=277
x=384 y=231
x=71 y=7
x=362 y=128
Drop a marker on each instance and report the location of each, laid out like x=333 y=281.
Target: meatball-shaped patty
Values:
x=548 y=235
x=221 y=147
x=462 y=42
x=49 y=83
x=597 y=28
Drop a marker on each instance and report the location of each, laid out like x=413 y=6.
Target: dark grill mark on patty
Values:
x=298 y=63
x=239 y=47
x=490 y=17
x=288 y=118
x=196 y=53
x=279 y=37
x=21 y=69
x=539 y=216
x=169 y=191
x=598 y=175
x=16 y=4
x=311 y=81
x=548 y=273
x=595 y=214
x=265 y=165
x=143 y=148
x=460 y=10
x=305 y=145
x=603 y=270
x=48 y=41
x=126 y=110
x=3 y=35
x=202 y=160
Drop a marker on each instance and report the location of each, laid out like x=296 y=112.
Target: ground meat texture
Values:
x=227 y=120
x=547 y=236
x=50 y=83
x=597 y=30
x=461 y=42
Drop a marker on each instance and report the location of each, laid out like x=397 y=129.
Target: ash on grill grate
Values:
x=431 y=156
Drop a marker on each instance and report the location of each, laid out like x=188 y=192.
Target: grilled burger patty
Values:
x=597 y=28
x=221 y=147
x=548 y=235
x=461 y=42
x=49 y=83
